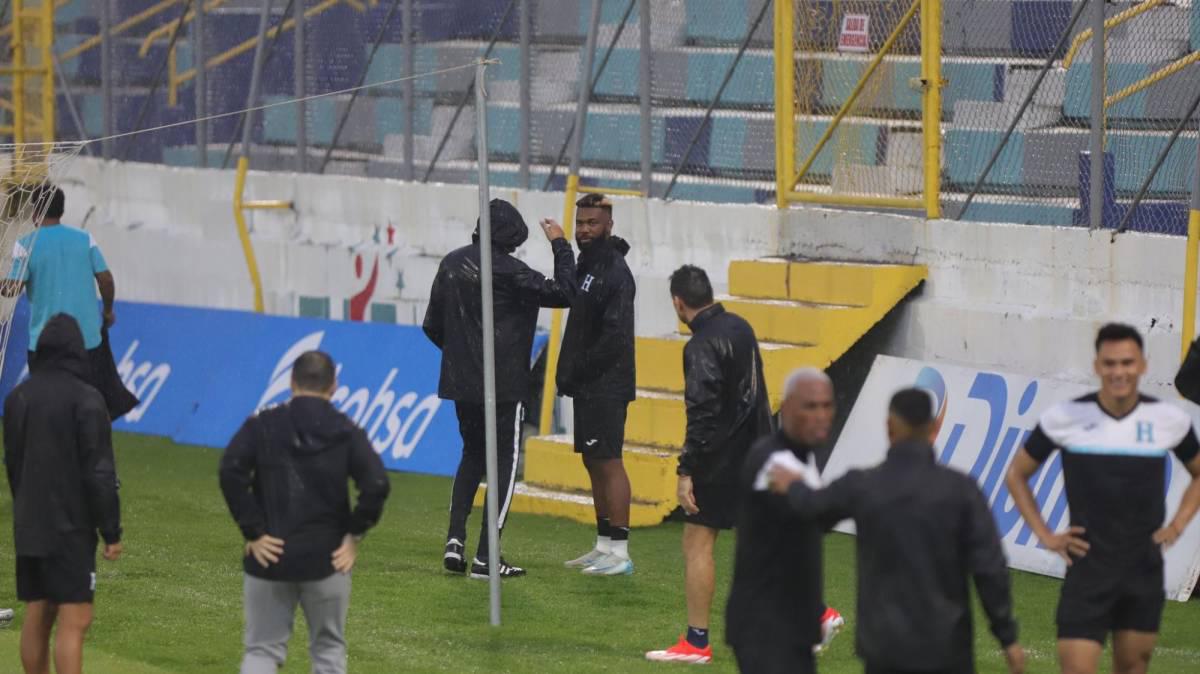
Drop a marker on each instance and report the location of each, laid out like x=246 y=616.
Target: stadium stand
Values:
x=992 y=52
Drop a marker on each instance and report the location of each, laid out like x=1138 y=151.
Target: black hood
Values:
x=317 y=424
x=509 y=230
x=615 y=243
x=60 y=347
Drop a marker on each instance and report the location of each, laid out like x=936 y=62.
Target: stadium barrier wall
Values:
x=1012 y=297
x=986 y=417
x=200 y=372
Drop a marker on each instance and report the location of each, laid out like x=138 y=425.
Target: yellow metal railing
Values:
x=546 y=416
x=1110 y=22
x=240 y=206
x=174 y=79
x=32 y=70
x=788 y=178
x=1151 y=79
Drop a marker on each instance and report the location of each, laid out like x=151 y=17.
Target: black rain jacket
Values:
x=776 y=594
x=454 y=319
x=726 y=396
x=285 y=474
x=923 y=531
x=597 y=358
x=58 y=448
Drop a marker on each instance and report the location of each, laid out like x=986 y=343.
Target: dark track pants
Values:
x=473 y=466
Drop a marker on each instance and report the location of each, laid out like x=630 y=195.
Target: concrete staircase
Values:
x=804 y=313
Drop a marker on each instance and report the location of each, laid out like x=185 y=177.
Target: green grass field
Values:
x=173 y=604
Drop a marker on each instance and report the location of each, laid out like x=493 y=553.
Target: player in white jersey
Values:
x=1115 y=445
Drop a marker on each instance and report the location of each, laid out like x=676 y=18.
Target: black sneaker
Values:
x=479 y=570
x=453 y=560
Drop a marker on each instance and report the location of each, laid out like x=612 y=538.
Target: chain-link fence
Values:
x=708 y=111
x=1024 y=156
x=1015 y=108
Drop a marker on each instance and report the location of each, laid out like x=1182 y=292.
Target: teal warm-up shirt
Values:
x=60 y=278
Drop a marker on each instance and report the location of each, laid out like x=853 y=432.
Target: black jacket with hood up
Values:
x=58 y=448
x=284 y=474
x=726 y=396
x=454 y=319
x=923 y=531
x=597 y=358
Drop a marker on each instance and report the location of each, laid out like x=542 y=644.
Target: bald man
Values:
x=773 y=621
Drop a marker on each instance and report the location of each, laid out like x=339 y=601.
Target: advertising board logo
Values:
x=394 y=421
x=144 y=378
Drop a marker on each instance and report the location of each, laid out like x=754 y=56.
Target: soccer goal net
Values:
x=28 y=174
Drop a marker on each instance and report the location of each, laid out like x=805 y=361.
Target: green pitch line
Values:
x=173 y=604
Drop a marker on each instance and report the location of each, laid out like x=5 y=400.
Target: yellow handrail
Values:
x=862 y=82
x=165 y=30
x=140 y=17
x=1114 y=20
x=240 y=206
x=186 y=76
x=1152 y=78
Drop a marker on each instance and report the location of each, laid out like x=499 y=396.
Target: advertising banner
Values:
x=986 y=417
x=200 y=372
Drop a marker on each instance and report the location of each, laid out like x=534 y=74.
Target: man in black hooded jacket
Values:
x=596 y=370
x=59 y=458
x=454 y=323
x=284 y=477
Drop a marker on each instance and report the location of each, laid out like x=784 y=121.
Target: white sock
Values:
x=604 y=544
x=620 y=549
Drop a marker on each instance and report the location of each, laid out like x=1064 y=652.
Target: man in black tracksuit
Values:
x=923 y=530
x=596 y=370
x=775 y=616
x=454 y=322
x=58 y=455
x=727 y=411
x=284 y=477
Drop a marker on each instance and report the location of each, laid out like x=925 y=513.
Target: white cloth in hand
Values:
x=787 y=460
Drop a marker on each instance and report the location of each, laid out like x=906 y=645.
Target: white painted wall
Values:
x=1023 y=299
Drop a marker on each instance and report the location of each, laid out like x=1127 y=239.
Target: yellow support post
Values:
x=931 y=73
x=239 y=216
x=18 y=56
x=785 y=100
x=1190 y=280
x=549 y=389
x=850 y=100
x=46 y=37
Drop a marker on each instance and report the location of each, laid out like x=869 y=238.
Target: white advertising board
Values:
x=986 y=417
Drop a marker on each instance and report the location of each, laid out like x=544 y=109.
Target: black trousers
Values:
x=473 y=466
x=775 y=657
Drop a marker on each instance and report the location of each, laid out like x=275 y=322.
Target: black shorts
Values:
x=599 y=427
x=1096 y=600
x=718 y=504
x=67 y=577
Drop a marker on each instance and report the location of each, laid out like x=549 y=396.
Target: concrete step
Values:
x=537 y=500
x=834 y=283
x=551 y=462
x=660 y=363
x=656 y=419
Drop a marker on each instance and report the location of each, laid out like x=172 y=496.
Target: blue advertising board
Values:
x=200 y=372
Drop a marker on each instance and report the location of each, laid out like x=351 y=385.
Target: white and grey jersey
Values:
x=1114 y=468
